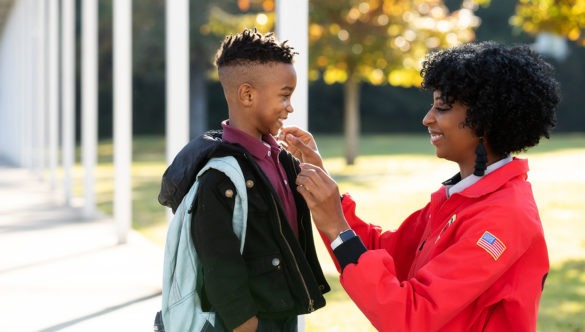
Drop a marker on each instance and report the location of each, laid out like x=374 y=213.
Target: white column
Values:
x=292 y=24
x=11 y=76
x=53 y=90
x=24 y=92
x=177 y=78
x=68 y=95
x=89 y=116
x=123 y=117
x=41 y=103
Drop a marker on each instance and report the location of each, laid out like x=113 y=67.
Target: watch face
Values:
x=347 y=235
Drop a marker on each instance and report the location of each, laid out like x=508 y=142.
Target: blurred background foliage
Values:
x=562 y=17
x=364 y=57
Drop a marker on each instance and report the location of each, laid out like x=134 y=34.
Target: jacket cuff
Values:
x=349 y=252
x=237 y=314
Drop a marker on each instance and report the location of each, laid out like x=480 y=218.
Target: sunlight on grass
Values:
x=563 y=303
x=394 y=176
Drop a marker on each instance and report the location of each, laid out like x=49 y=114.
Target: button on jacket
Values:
x=277 y=276
x=475 y=261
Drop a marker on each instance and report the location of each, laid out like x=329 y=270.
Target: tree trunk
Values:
x=198 y=102
x=351 y=122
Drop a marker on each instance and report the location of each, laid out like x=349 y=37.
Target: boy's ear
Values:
x=246 y=94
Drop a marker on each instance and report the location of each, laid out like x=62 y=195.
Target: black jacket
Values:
x=277 y=275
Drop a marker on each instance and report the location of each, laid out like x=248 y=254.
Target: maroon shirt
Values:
x=265 y=153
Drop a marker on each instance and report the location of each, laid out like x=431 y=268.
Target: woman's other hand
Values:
x=322 y=196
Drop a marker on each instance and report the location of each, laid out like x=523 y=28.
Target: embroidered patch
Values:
x=491 y=244
x=452 y=220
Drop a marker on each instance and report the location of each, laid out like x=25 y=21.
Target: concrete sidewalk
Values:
x=59 y=272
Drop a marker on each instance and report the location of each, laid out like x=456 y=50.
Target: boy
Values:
x=278 y=275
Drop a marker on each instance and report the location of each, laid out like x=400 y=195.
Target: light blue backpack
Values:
x=181 y=305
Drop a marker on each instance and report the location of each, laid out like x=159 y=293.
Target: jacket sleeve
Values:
x=440 y=289
x=400 y=243
x=225 y=276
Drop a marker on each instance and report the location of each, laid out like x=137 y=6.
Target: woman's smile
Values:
x=435 y=136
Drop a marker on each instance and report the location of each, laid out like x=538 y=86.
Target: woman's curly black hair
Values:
x=510 y=91
x=252 y=46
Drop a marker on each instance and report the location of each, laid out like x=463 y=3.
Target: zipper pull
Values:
x=422 y=245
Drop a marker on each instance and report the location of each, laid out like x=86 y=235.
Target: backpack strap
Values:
x=230 y=167
x=181 y=305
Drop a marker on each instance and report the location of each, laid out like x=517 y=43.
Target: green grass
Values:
x=394 y=176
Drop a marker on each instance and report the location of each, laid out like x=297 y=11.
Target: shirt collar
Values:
x=456 y=184
x=258 y=148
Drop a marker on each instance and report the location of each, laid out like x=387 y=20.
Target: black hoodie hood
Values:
x=180 y=175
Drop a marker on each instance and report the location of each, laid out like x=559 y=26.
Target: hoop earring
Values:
x=480 y=158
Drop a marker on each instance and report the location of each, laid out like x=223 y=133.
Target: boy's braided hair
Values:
x=252 y=46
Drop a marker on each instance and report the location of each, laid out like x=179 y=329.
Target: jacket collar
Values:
x=497 y=178
x=180 y=175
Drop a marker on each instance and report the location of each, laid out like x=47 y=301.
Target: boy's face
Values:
x=272 y=102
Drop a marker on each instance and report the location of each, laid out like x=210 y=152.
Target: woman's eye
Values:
x=439 y=109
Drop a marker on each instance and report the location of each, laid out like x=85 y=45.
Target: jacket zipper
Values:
x=311 y=301
x=302 y=217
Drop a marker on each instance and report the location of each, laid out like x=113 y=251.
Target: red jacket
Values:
x=476 y=261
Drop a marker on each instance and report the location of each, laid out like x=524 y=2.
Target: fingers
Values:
x=312 y=179
x=309 y=175
x=293 y=140
x=294 y=130
x=305 y=182
x=308 y=195
x=301 y=144
x=300 y=136
x=321 y=193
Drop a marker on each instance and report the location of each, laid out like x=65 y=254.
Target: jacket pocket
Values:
x=257 y=205
x=268 y=284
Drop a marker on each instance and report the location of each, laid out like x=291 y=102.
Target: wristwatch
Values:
x=343 y=237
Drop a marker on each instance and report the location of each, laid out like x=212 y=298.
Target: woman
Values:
x=474 y=258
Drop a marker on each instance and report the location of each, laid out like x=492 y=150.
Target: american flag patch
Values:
x=491 y=244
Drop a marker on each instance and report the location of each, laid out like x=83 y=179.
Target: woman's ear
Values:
x=246 y=94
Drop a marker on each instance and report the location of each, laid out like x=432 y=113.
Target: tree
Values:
x=380 y=42
x=561 y=17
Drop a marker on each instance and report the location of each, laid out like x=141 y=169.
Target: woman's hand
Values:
x=301 y=144
x=322 y=196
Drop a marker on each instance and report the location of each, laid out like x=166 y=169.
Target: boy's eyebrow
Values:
x=286 y=87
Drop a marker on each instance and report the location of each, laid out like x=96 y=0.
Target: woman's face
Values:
x=452 y=139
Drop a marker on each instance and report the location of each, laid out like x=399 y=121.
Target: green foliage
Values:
x=562 y=17
x=211 y=21
x=382 y=41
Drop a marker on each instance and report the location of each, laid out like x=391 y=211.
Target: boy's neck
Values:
x=237 y=125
